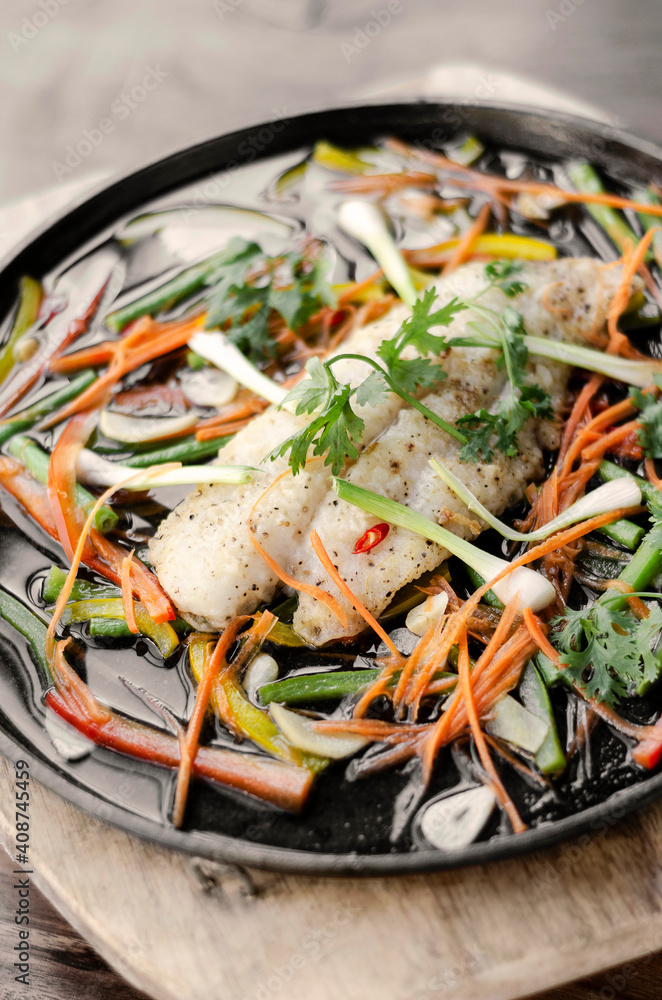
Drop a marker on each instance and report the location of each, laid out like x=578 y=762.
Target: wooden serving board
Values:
x=182 y=928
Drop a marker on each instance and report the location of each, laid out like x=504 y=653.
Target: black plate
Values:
x=131 y=799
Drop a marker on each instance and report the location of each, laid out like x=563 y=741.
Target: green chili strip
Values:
x=167 y=295
x=550 y=758
x=252 y=721
x=81 y=590
x=28 y=418
x=186 y=450
x=587 y=180
x=36 y=461
x=489 y=597
x=117 y=628
x=329 y=686
x=163 y=635
x=31 y=295
x=30 y=627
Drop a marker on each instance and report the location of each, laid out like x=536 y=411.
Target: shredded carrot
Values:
x=607 y=441
x=384 y=184
x=69 y=683
x=632 y=261
x=306 y=588
x=127 y=594
x=467 y=241
x=326 y=562
x=653 y=477
x=189 y=744
x=78 y=553
x=464 y=672
x=360 y=286
x=466 y=177
x=542 y=642
x=636 y=604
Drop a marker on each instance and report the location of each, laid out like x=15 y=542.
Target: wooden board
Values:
x=182 y=928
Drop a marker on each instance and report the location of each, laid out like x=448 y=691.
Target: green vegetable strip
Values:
x=489 y=597
x=608 y=471
x=550 y=757
x=324 y=686
x=36 y=461
x=27 y=418
x=167 y=295
x=186 y=450
x=163 y=635
x=30 y=627
x=626 y=533
x=81 y=590
x=649 y=196
x=31 y=294
x=117 y=628
x=586 y=179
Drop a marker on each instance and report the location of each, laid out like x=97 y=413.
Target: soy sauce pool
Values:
x=341 y=816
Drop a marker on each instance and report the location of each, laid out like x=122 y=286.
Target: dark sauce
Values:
x=345 y=813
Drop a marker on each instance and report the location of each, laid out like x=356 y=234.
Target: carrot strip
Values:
x=607 y=441
x=68 y=681
x=464 y=672
x=466 y=177
x=189 y=745
x=542 y=642
x=632 y=261
x=305 y=588
x=61 y=484
x=468 y=239
x=326 y=562
x=653 y=477
x=127 y=595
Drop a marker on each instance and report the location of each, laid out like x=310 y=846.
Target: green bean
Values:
x=489 y=597
x=324 y=686
x=608 y=471
x=624 y=532
x=27 y=418
x=31 y=294
x=650 y=197
x=587 y=180
x=186 y=450
x=36 y=461
x=29 y=625
x=167 y=295
x=82 y=590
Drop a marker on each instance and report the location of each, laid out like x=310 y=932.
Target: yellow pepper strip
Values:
x=490 y=244
x=163 y=635
x=246 y=717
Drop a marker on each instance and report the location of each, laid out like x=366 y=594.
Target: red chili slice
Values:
x=373 y=536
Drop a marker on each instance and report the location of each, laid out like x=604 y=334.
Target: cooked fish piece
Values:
x=203 y=554
x=566 y=299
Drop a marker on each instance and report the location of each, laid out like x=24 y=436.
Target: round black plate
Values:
x=123 y=802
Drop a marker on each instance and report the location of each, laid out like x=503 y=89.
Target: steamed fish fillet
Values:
x=566 y=299
x=203 y=554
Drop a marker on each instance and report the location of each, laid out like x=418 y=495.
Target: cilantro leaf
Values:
x=606 y=650
x=650 y=417
x=501 y=274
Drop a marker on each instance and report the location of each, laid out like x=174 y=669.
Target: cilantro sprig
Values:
x=608 y=652
x=247 y=285
x=337 y=429
x=499 y=429
x=650 y=418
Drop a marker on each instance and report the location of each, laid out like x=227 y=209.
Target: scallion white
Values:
x=610 y=496
x=129 y=429
x=297 y=730
x=366 y=222
x=533 y=590
x=94 y=470
x=216 y=347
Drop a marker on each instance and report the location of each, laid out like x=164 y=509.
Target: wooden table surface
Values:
x=182 y=928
